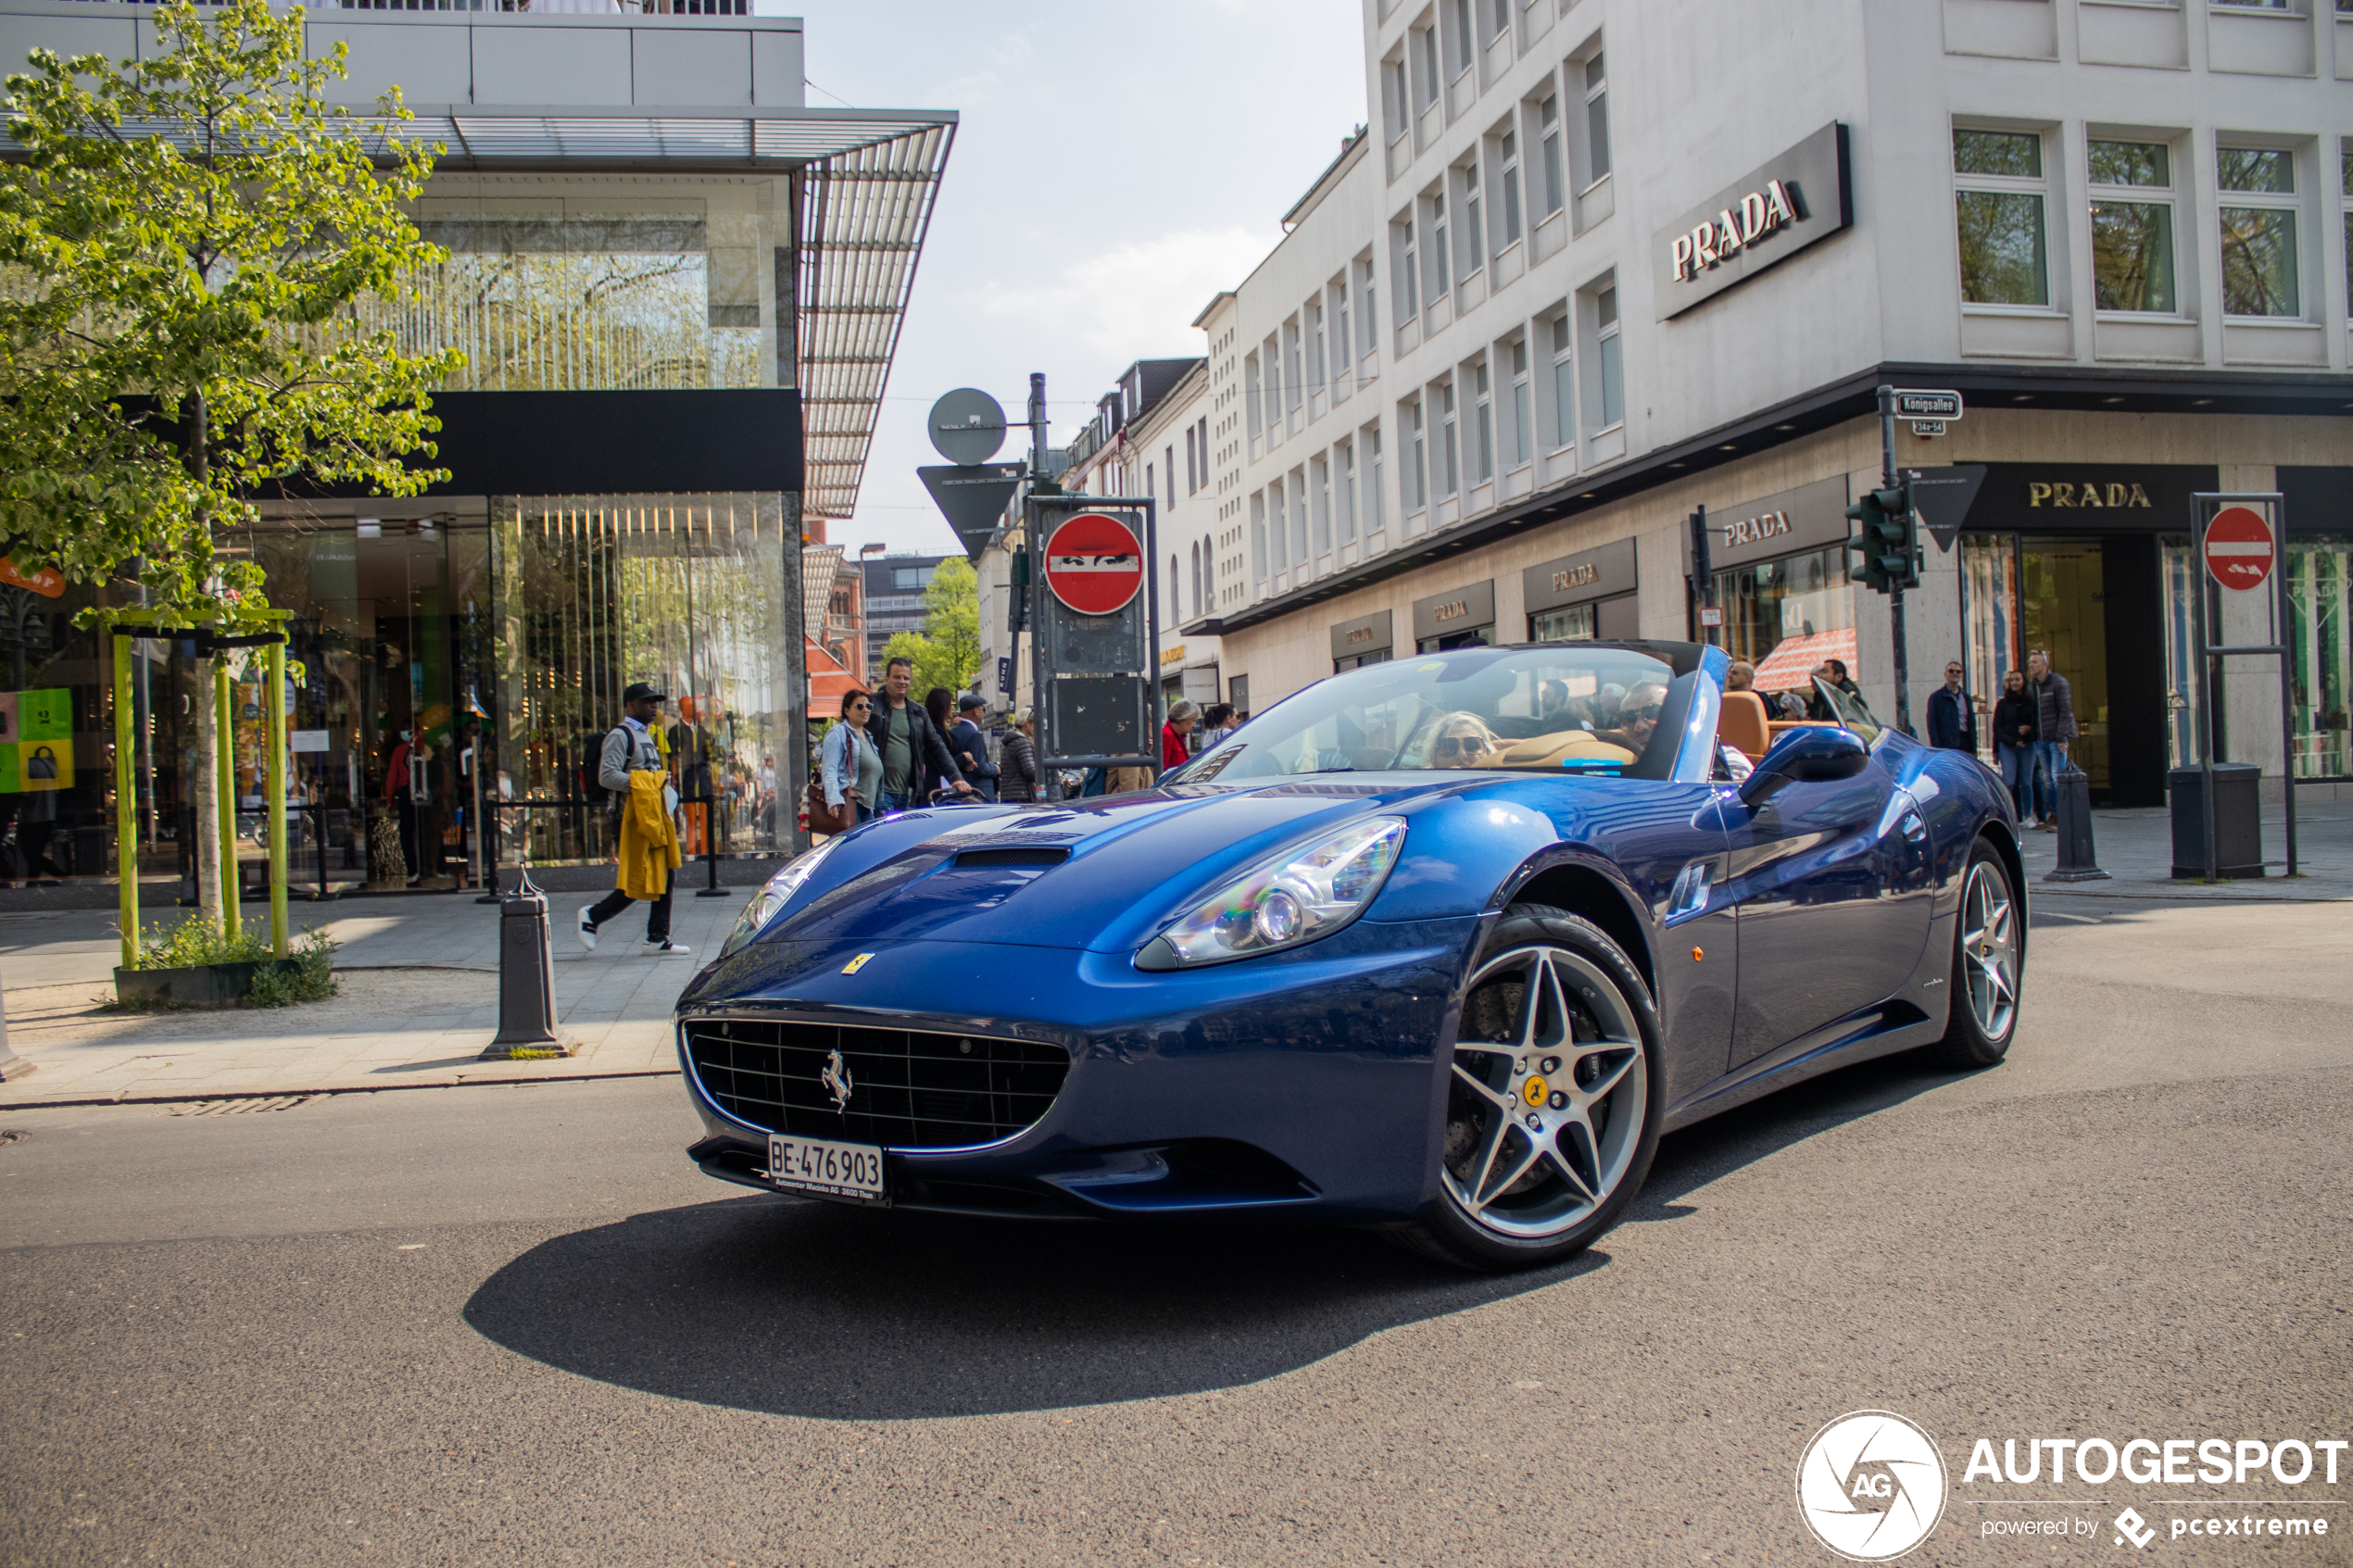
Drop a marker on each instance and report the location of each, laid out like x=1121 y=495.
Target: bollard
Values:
x=526 y=979
x=2076 y=861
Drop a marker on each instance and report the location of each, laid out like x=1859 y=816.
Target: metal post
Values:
x=1049 y=782
x=2282 y=634
x=1037 y=424
x=1153 y=709
x=273 y=706
x=126 y=807
x=2202 y=665
x=225 y=749
x=1703 y=570
x=1896 y=591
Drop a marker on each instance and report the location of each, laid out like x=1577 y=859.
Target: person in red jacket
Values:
x=1172 y=752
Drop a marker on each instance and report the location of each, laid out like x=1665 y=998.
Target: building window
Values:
x=2259 y=237
x=1503 y=18
x=1484 y=410
x=1548 y=123
x=1509 y=186
x=1521 y=397
x=1409 y=295
x=1474 y=237
x=2004 y=258
x=1320 y=494
x=1258 y=538
x=1149 y=487
x=1251 y=395
x=1365 y=306
x=1340 y=334
x=1596 y=119
x=1292 y=392
x=1801 y=595
x=1459 y=14
x=1168 y=467
x=1201 y=445
x=1611 y=362
x=1278 y=526
x=1345 y=455
x=1376 y=498
x=1437 y=284
x=1564 y=385
x=1419 y=477
x=1426 y=45
x=1568 y=625
x=1449 y=441
x=1396 y=121
x=2132 y=235
x=1192 y=463
x=1298 y=517
x=1196 y=577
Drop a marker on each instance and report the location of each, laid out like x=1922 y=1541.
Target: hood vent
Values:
x=1035 y=857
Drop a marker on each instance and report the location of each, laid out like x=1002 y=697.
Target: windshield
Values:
x=1604 y=708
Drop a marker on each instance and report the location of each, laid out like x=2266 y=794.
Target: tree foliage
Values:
x=186 y=242
x=947 y=652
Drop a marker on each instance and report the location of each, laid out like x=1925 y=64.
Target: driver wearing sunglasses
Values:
x=1462 y=741
x=1638 y=720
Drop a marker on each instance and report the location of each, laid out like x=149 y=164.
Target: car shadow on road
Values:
x=799 y=1307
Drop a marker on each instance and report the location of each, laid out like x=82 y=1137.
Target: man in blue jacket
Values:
x=971 y=747
x=1952 y=713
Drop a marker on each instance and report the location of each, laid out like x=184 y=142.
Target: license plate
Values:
x=822 y=1166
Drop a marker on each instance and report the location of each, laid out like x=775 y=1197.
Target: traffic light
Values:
x=1888 y=539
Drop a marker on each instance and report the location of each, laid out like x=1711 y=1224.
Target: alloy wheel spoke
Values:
x=1489 y=1193
x=1584 y=1143
x=1500 y=1100
x=1612 y=1073
x=1491 y=1144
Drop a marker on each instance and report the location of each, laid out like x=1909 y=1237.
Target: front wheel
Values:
x=1552 y=1117
x=1989 y=953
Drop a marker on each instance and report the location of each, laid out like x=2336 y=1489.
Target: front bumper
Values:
x=1306 y=1082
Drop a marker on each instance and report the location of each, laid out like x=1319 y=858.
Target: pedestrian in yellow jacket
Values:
x=631 y=767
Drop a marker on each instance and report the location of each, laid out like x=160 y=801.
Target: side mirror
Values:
x=1813 y=755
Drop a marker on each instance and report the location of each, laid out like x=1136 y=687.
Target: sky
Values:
x=1116 y=167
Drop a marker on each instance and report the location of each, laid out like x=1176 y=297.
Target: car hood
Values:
x=1103 y=874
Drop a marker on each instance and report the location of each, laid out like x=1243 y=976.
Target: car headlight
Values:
x=773 y=896
x=1305 y=894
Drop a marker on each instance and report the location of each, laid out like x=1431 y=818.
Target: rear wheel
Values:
x=1551 y=1118
x=1988 y=957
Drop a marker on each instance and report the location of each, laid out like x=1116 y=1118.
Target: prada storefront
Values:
x=1779 y=568
x=1585 y=596
x=2091 y=562
x=1457 y=619
x=1368 y=639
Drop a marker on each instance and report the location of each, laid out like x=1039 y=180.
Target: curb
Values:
x=6 y=1109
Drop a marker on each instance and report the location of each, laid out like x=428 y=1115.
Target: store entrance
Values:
x=2095 y=605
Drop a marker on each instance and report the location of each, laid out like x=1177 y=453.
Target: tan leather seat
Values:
x=1743 y=726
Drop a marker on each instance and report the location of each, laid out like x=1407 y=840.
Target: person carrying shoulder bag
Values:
x=849 y=771
x=629 y=753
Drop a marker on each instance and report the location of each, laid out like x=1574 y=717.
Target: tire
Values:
x=1591 y=1051
x=1989 y=959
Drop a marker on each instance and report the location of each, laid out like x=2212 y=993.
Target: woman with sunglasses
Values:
x=850 y=766
x=1462 y=740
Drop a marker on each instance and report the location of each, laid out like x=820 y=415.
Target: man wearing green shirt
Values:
x=903 y=733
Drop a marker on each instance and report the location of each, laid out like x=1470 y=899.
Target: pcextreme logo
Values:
x=1870 y=1485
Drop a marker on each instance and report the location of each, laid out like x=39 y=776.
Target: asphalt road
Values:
x=505 y=1326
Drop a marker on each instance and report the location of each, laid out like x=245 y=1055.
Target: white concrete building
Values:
x=1600 y=264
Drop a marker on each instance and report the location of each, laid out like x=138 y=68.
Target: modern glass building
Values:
x=679 y=291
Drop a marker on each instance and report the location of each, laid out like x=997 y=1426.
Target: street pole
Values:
x=1703 y=572
x=225 y=742
x=1034 y=541
x=1896 y=592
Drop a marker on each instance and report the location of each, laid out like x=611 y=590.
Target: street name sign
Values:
x=2239 y=548
x=1917 y=405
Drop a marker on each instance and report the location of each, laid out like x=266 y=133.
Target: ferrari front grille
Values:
x=903 y=1088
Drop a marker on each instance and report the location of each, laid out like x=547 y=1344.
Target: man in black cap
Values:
x=971 y=746
x=629 y=748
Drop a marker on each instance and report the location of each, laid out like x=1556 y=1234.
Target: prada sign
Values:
x=1465 y=609
x=1788 y=523
x=2087 y=497
x=1592 y=574
x=1366 y=634
x=1761 y=220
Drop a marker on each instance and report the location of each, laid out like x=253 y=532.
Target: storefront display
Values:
x=1583 y=596
x=1457 y=619
x=1368 y=639
x=1779 y=567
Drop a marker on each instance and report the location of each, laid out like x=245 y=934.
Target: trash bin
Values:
x=2238 y=820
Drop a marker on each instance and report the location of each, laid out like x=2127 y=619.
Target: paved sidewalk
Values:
x=420 y=1002
x=2136 y=849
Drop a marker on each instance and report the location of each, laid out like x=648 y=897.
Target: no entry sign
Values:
x=2239 y=548
x=1094 y=563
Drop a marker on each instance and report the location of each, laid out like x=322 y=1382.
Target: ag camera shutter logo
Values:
x=1870 y=1485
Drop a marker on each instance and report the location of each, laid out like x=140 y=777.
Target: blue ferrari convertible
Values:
x=1441 y=944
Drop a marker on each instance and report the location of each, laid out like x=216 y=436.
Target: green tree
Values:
x=187 y=241
x=946 y=651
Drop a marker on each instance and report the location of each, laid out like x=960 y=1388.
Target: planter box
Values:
x=200 y=984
